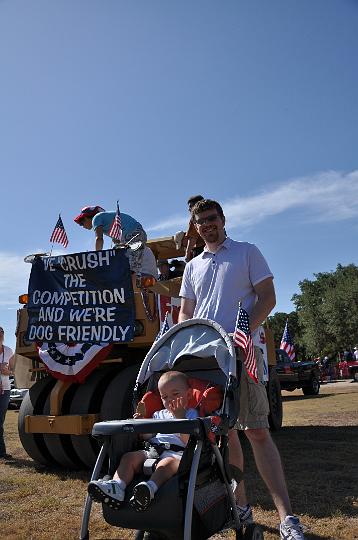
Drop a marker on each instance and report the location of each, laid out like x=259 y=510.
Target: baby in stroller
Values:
x=166 y=448
x=196 y=496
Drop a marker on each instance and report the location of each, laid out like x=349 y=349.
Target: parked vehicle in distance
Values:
x=16 y=397
x=353 y=369
x=349 y=369
x=294 y=375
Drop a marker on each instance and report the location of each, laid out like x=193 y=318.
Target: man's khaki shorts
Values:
x=254 y=406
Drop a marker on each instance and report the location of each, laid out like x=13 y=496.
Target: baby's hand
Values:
x=178 y=407
x=140 y=411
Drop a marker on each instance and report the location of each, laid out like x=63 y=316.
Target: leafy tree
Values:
x=341 y=306
x=327 y=310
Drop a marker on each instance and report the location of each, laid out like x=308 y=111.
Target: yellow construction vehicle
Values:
x=56 y=416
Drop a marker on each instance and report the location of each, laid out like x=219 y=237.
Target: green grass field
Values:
x=319 y=449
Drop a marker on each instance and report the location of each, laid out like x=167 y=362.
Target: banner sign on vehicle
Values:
x=81 y=298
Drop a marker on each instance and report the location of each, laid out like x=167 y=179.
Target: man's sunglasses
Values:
x=207 y=219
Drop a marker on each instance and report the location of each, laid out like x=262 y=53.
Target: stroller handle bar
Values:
x=112 y=427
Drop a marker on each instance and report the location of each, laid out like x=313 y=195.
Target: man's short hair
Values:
x=171 y=376
x=206 y=204
x=194 y=199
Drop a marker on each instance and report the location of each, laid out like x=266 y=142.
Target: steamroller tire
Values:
x=117 y=400
x=275 y=401
x=117 y=405
x=60 y=446
x=33 y=404
x=87 y=400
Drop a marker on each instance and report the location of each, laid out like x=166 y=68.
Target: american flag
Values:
x=59 y=234
x=116 y=228
x=287 y=343
x=164 y=328
x=242 y=338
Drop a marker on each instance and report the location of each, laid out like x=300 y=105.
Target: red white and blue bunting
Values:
x=72 y=362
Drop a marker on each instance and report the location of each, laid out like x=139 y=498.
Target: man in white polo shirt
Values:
x=213 y=283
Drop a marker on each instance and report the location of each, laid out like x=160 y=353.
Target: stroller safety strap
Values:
x=149 y=466
x=156 y=449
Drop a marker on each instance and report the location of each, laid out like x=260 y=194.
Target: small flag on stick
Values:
x=116 y=229
x=287 y=343
x=164 y=328
x=242 y=338
x=59 y=234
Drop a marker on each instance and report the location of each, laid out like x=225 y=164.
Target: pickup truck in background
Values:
x=349 y=369
x=353 y=369
x=294 y=375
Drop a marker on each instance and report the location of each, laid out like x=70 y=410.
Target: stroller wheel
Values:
x=250 y=532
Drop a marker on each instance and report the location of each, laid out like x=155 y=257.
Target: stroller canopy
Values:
x=201 y=338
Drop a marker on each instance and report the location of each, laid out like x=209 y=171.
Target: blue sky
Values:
x=252 y=103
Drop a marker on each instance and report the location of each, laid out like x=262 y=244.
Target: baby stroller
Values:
x=199 y=500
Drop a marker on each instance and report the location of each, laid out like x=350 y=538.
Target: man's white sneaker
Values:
x=291 y=529
x=106 y=491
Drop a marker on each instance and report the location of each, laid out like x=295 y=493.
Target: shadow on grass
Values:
x=286 y=397
x=60 y=472
x=320 y=466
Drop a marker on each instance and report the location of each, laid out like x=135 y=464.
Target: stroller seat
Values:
x=165 y=513
x=198 y=500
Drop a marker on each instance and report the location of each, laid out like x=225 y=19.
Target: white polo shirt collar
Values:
x=226 y=244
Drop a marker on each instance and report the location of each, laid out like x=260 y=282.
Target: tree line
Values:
x=325 y=320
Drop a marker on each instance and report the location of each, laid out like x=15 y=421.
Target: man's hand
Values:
x=140 y=411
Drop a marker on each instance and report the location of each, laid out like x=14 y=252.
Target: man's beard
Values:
x=211 y=236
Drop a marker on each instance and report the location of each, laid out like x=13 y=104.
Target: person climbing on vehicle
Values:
x=101 y=221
